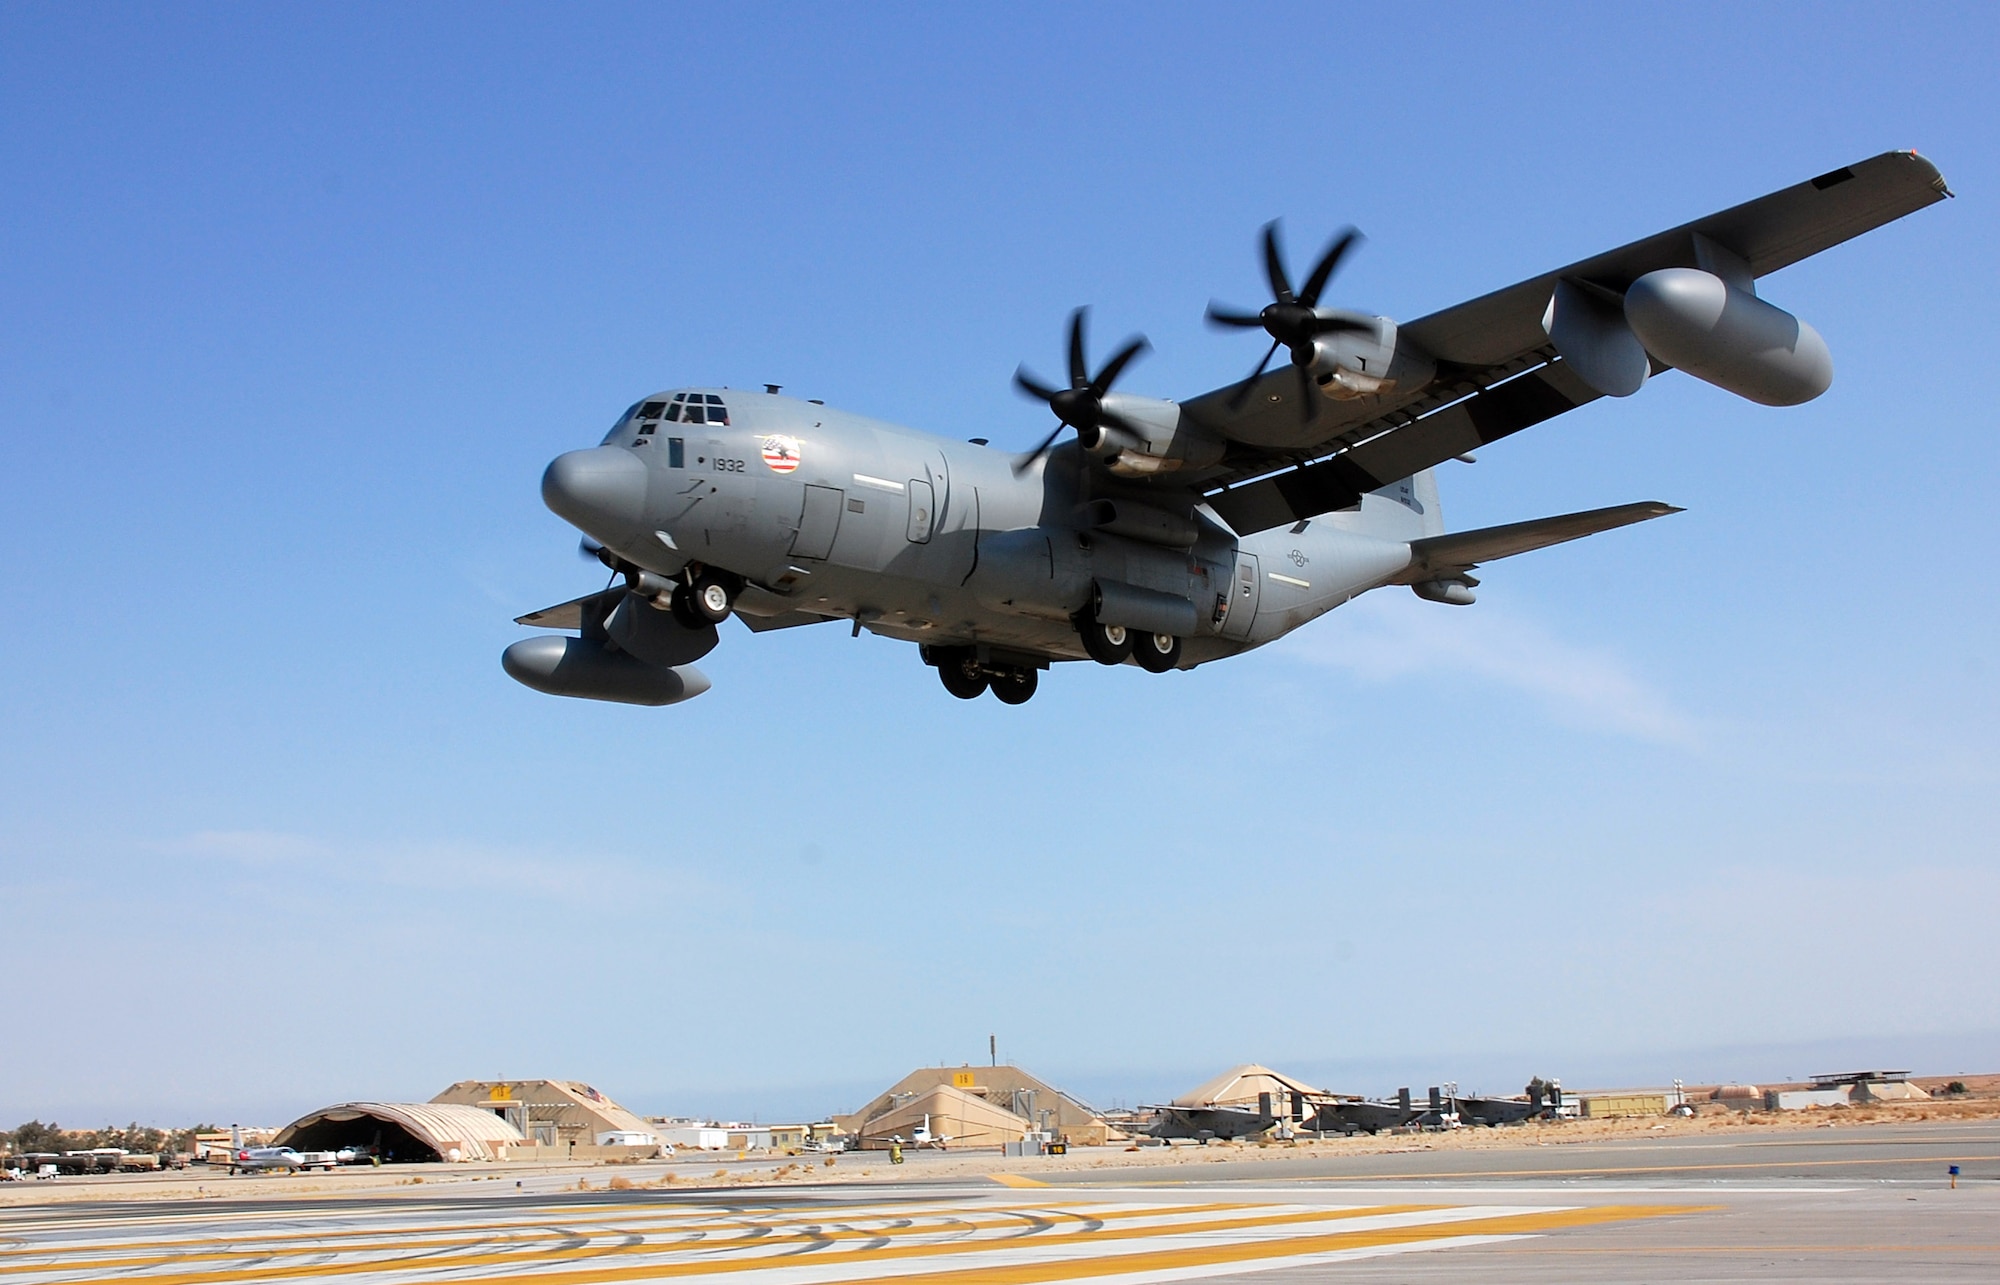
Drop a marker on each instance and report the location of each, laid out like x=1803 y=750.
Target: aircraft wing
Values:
x=565 y=615
x=1770 y=233
x=1498 y=372
x=1461 y=551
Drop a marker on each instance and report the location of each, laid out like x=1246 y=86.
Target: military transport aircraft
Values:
x=1165 y=533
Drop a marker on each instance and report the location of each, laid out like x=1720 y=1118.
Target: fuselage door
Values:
x=1241 y=608
x=819 y=522
x=923 y=511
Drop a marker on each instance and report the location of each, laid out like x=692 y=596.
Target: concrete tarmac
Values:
x=1820 y=1205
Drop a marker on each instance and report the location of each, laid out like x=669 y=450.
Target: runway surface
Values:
x=1806 y=1206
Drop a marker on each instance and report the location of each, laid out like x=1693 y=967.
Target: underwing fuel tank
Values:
x=564 y=666
x=1720 y=332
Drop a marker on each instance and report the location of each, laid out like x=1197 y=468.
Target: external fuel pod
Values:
x=1721 y=332
x=565 y=666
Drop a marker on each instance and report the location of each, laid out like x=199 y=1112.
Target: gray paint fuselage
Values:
x=938 y=541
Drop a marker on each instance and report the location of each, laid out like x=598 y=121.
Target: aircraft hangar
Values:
x=478 y=1120
x=975 y=1106
x=404 y=1131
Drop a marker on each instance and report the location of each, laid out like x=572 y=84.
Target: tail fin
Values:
x=1401 y=511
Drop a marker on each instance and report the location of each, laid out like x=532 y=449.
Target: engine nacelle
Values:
x=1720 y=332
x=1163 y=443
x=1368 y=363
x=564 y=666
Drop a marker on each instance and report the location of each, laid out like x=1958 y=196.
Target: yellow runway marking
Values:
x=739 y=1229
x=544 y=1223
x=1237 y=1255
x=742 y=1263
x=1015 y=1180
x=954 y=1239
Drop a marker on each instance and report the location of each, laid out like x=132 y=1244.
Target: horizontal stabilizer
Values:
x=1444 y=555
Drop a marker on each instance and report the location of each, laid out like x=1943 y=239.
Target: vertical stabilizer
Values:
x=1399 y=512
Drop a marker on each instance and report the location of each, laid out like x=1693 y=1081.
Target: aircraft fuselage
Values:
x=825 y=514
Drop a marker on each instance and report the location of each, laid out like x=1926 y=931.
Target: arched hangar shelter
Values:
x=404 y=1131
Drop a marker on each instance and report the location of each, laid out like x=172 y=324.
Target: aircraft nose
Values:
x=601 y=491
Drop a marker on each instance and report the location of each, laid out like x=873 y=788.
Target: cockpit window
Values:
x=696 y=408
x=651 y=410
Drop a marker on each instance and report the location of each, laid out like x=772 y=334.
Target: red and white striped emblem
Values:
x=781 y=453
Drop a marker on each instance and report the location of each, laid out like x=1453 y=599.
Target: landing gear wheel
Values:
x=1015 y=686
x=960 y=674
x=1157 y=653
x=1105 y=644
x=705 y=602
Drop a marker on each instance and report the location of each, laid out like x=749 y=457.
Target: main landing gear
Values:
x=965 y=676
x=1112 y=644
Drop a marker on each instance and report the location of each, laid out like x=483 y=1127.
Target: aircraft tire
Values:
x=1154 y=658
x=1015 y=687
x=959 y=675
x=708 y=598
x=684 y=610
x=1105 y=644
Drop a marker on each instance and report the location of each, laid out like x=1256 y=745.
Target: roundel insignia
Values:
x=781 y=453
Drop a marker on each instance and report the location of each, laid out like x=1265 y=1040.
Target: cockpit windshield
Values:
x=697 y=408
x=643 y=418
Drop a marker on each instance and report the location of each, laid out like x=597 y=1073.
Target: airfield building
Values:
x=975 y=1106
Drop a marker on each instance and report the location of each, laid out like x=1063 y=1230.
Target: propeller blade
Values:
x=1308 y=396
x=1218 y=316
x=1116 y=366
x=1028 y=461
x=1236 y=399
x=1031 y=386
x=1274 y=264
x=1328 y=263
x=1079 y=372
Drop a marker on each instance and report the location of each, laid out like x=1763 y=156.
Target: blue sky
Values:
x=298 y=302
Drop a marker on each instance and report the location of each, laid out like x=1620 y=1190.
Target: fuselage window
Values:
x=676 y=453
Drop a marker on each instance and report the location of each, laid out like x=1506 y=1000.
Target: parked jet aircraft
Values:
x=1164 y=533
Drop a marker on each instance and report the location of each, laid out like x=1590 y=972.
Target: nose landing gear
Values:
x=706 y=599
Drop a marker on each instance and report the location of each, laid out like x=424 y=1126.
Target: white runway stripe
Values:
x=972 y=1237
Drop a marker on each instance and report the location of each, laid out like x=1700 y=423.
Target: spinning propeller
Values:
x=1291 y=319
x=1081 y=405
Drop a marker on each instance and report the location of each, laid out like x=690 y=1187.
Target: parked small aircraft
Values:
x=262 y=1159
x=921 y=1136
x=1166 y=534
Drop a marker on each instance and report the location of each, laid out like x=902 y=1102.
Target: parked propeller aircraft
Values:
x=1162 y=533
